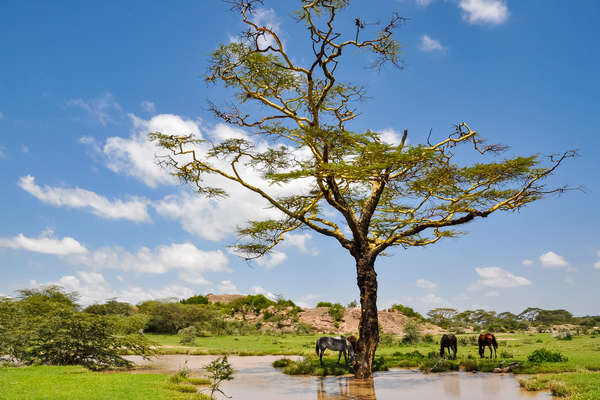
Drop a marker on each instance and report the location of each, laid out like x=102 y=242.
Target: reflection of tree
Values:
x=346 y=389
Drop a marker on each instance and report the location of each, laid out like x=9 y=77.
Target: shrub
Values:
x=408 y=311
x=187 y=335
x=337 y=312
x=198 y=299
x=281 y=363
x=543 y=355
x=218 y=371
x=428 y=338
x=45 y=327
x=324 y=304
x=411 y=332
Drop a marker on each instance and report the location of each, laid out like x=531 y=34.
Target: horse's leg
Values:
x=495 y=353
x=321 y=356
x=491 y=353
x=339 y=356
x=453 y=349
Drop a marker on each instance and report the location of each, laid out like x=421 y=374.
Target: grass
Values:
x=71 y=382
x=580 y=385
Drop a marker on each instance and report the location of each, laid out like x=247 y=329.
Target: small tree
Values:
x=188 y=335
x=219 y=371
x=383 y=195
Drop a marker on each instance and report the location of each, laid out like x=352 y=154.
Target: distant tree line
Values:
x=506 y=321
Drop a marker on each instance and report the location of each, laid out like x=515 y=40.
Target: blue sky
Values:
x=83 y=204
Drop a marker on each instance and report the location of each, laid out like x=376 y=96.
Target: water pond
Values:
x=256 y=379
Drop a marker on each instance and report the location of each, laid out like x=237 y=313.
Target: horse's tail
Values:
x=317 y=347
x=494 y=343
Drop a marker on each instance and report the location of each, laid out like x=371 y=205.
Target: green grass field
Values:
x=71 y=382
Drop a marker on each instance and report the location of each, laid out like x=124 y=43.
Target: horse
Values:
x=448 y=341
x=488 y=340
x=341 y=344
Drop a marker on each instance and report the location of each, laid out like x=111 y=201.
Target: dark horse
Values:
x=341 y=344
x=448 y=341
x=487 y=340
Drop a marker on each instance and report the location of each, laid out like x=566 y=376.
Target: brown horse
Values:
x=448 y=341
x=487 y=340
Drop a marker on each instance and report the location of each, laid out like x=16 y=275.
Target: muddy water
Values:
x=255 y=379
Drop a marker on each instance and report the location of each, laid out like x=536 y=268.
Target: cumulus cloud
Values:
x=227 y=287
x=527 y=262
x=429 y=44
x=551 y=259
x=207 y=218
x=187 y=259
x=273 y=259
x=93 y=288
x=299 y=241
x=493 y=12
x=391 y=137
x=45 y=244
x=496 y=277
x=267 y=17
x=102 y=108
x=425 y=284
x=264 y=292
x=148 y=106
x=134 y=209
x=134 y=156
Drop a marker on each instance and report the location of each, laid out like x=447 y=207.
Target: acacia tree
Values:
x=383 y=195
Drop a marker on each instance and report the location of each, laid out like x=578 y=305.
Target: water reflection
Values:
x=347 y=389
x=256 y=379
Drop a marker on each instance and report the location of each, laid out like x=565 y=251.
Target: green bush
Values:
x=198 y=299
x=187 y=335
x=337 y=312
x=428 y=338
x=324 y=304
x=281 y=363
x=543 y=355
x=408 y=311
x=411 y=332
x=44 y=326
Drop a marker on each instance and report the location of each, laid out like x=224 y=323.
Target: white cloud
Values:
x=597 y=264
x=527 y=262
x=1 y=115
x=496 y=277
x=102 y=108
x=24 y=149
x=2 y=152
x=268 y=18
x=390 y=137
x=424 y=3
x=492 y=293
x=425 y=284
x=261 y=290
x=44 y=244
x=186 y=258
x=551 y=259
x=134 y=156
x=300 y=242
x=227 y=287
x=273 y=259
x=93 y=288
x=429 y=44
x=207 y=218
x=430 y=299
x=133 y=209
x=148 y=106
x=492 y=12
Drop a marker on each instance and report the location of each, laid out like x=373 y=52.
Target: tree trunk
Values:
x=369 y=326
